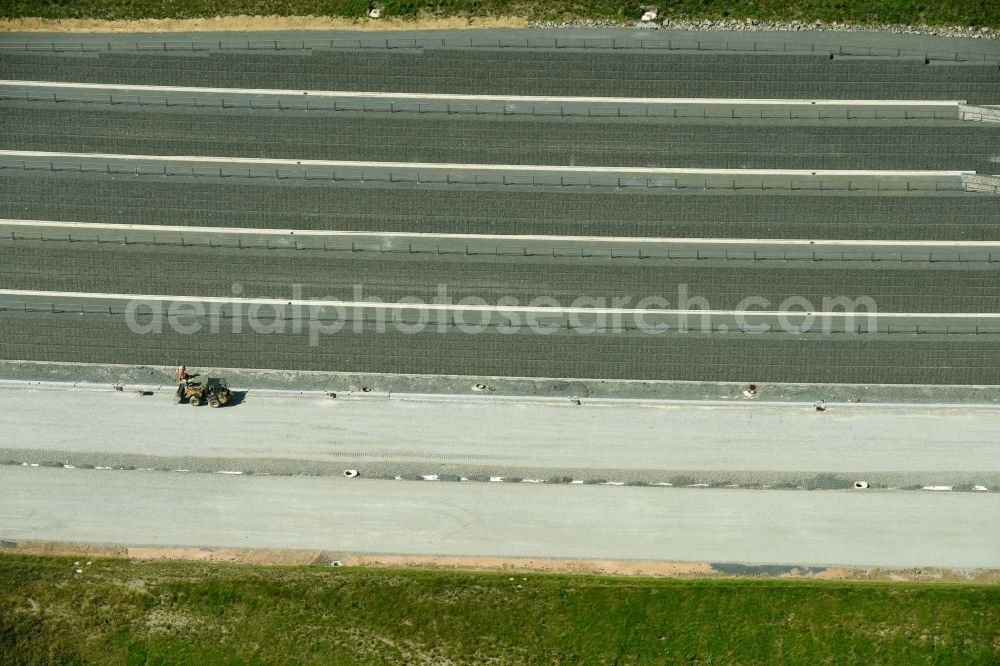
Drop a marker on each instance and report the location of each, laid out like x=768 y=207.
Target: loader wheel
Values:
x=195 y=401
x=224 y=398
x=214 y=403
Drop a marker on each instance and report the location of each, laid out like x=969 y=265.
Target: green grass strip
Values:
x=125 y=612
x=908 y=12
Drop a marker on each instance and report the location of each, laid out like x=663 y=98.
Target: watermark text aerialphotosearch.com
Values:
x=542 y=315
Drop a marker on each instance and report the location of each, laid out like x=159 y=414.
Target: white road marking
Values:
x=348 y=94
x=162 y=298
x=244 y=231
x=481 y=167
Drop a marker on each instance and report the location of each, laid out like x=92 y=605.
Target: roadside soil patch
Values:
x=256 y=24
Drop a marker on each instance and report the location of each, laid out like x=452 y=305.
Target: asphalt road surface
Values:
x=750 y=443
x=884 y=529
x=529 y=72
x=298 y=447
x=960 y=356
x=454 y=139
x=298 y=204
x=898 y=358
x=723 y=285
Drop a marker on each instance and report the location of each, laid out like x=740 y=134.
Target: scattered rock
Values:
x=756 y=25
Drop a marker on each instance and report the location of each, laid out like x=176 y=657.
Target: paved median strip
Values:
x=892 y=482
x=51 y=225
x=63 y=296
x=524 y=168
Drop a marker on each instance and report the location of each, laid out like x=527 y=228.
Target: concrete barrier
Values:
x=982 y=114
x=978 y=183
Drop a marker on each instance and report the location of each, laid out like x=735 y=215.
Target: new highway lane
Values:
x=742 y=443
x=504 y=140
x=886 y=529
x=512 y=71
x=954 y=354
x=127 y=170
x=684 y=282
x=123 y=197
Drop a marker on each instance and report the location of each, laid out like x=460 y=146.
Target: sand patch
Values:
x=237 y=555
x=623 y=568
x=64 y=549
x=539 y=565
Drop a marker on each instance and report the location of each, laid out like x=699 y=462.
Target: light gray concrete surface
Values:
x=881 y=529
x=40 y=93
x=527 y=245
x=135 y=377
x=873 y=177
x=741 y=443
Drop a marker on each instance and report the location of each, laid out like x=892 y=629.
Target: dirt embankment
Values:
x=255 y=24
x=646 y=569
